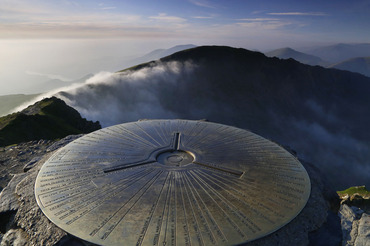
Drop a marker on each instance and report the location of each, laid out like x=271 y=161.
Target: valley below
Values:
x=317 y=114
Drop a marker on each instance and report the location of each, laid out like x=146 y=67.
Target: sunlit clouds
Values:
x=74 y=38
x=300 y=13
x=68 y=19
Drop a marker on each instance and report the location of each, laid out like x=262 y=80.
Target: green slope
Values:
x=50 y=118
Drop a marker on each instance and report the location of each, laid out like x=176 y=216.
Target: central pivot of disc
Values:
x=176 y=158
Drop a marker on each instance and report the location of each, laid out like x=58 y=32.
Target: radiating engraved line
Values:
x=111 y=228
x=232 y=136
x=225 y=142
x=128 y=165
x=63 y=175
x=149 y=135
x=147 y=185
x=107 y=190
x=76 y=161
x=127 y=141
x=165 y=127
x=168 y=204
x=135 y=137
x=194 y=137
x=100 y=139
x=187 y=236
x=245 y=185
x=196 y=203
x=196 y=224
x=85 y=142
x=153 y=211
x=193 y=142
x=206 y=210
x=115 y=136
x=164 y=209
x=233 y=208
x=223 y=169
x=174 y=213
x=227 y=205
x=160 y=134
x=62 y=182
x=173 y=126
x=238 y=198
x=219 y=129
x=102 y=197
x=180 y=125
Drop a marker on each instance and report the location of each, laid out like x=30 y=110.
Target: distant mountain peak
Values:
x=159 y=53
x=287 y=52
x=340 y=52
x=358 y=65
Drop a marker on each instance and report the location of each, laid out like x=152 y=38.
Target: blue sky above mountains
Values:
x=69 y=39
x=222 y=20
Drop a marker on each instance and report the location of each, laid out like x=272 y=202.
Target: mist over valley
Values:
x=316 y=111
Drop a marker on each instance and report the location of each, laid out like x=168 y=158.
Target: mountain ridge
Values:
x=317 y=111
x=49 y=119
x=286 y=53
x=341 y=52
x=359 y=65
x=159 y=53
x=9 y=102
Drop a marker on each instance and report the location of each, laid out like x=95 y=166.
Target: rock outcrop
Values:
x=23 y=223
x=50 y=118
x=355 y=216
x=21 y=220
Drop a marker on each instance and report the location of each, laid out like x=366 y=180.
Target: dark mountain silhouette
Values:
x=321 y=113
x=49 y=118
x=286 y=53
x=357 y=65
x=159 y=53
x=341 y=52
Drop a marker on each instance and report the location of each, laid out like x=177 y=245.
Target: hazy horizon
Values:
x=42 y=40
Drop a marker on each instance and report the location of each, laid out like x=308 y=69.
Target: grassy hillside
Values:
x=50 y=118
x=361 y=190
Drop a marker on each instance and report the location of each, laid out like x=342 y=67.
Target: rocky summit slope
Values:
x=23 y=223
x=355 y=216
x=48 y=119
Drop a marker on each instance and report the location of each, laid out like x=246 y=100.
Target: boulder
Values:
x=39 y=230
x=8 y=197
x=31 y=163
x=14 y=237
x=305 y=228
x=363 y=235
x=317 y=224
x=349 y=221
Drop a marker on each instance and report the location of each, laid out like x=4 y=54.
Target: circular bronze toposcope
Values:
x=171 y=182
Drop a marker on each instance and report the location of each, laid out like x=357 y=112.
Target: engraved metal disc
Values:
x=171 y=182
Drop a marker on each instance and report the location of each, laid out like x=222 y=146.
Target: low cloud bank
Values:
x=114 y=98
x=187 y=90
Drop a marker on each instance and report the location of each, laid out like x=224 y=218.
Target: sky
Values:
x=48 y=39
